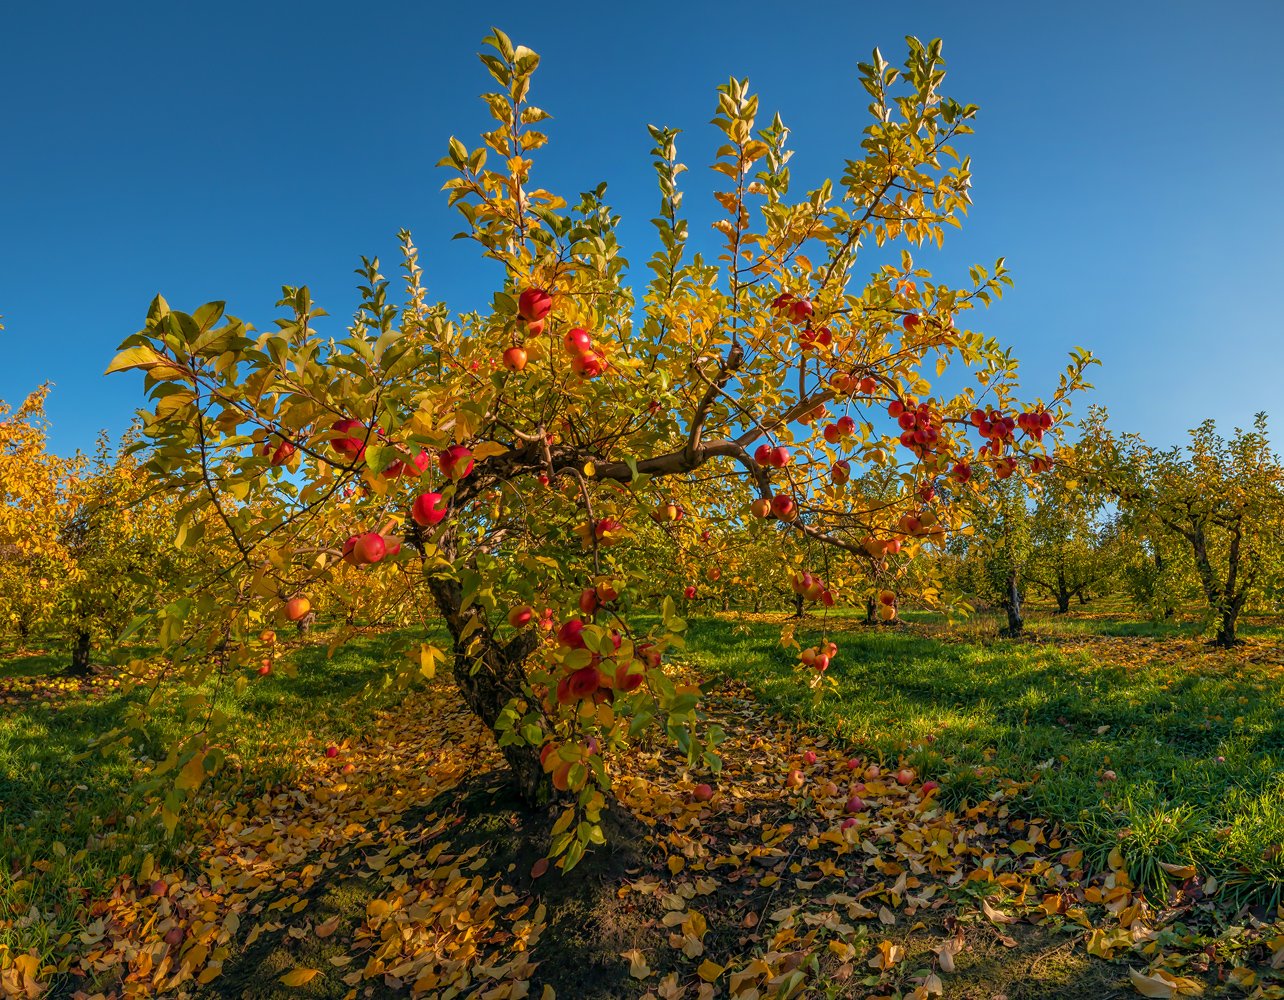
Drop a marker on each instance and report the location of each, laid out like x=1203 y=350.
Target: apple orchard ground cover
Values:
x=801 y=870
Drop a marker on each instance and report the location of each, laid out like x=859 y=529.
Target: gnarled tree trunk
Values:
x=1012 y=605
x=489 y=675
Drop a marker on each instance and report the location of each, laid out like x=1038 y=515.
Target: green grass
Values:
x=1067 y=708
x=72 y=813
x=1092 y=693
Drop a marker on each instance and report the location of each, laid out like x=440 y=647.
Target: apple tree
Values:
x=1220 y=499
x=36 y=489
x=505 y=464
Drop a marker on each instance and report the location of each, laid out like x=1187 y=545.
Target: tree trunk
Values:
x=726 y=603
x=490 y=676
x=1083 y=597
x=798 y=605
x=1012 y=605
x=80 y=655
x=871 y=607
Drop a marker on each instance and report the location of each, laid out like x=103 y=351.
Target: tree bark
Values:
x=80 y=655
x=871 y=607
x=490 y=675
x=1012 y=605
x=798 y=605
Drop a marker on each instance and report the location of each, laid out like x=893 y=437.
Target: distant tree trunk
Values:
x=304 y=625
x=798 y=605
x=1083 y=597
x=1063 y=593
x=80 y=651
x=1223 y=601
x=757 y=602
x=1233 y=597
x=1012 y=605
x=489 y=675
x=871 y=608
x=726 y=602
x=24 y=633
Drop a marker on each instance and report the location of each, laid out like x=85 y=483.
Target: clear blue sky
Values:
x=1127 y=163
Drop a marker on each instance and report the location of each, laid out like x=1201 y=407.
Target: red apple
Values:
x=588 y=364
x=832 y=434
x=783 y=506
x=576 y=341
x=350 y=446
x=904 y=776
x=584 y=682
x=515 y=359
x=703 y=793
x=428 y=509
x=455 y=462
x=841 y=471
x=689 y=592
x=810 y=757
x=588 y=600
x=369 y=548
x=296 y=608
x=855 y=804
x=332 y=751
x=569 y=634
x=929 y=787
x=533 y=304
x=778 y=458
x=279 y=455
x=521 y=616
x=911 y=322
x=795 y=778
x=846 y=426
x=760 y=507
x=607 y=592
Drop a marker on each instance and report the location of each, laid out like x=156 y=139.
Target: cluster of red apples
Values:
x=533 y=307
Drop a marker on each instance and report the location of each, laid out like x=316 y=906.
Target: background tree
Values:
x=36 y=488
x=999 y=549
x=118 y=532
x=510 y=456
x=1224 y=498
x=1071 y=542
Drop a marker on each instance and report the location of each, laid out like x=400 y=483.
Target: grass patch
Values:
x=1143 y=738
x=69 y=824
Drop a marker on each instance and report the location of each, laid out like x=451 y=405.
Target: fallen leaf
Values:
x=299 y=977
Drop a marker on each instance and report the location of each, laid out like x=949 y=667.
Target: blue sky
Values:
x=1127 y=163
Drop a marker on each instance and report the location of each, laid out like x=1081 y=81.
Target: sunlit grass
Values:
x=1159 y=746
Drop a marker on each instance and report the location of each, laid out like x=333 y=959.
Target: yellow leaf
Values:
x=1157 y=985
x=995 y=916
x=638 y=968
x=328 y=927
x=192 y=775
x=676 y=863
x=486 y=449
x=709 y=971
x=299 y=977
